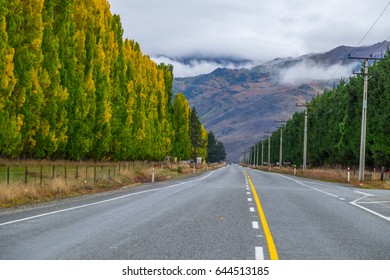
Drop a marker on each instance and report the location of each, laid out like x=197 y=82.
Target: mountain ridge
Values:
x=239 y=105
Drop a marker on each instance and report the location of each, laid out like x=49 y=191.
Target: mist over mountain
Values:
x=190 y=66
x=240 y=105
x=221 y=60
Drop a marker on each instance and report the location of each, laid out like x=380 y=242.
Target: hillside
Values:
x=334 y=125
x=240 y=105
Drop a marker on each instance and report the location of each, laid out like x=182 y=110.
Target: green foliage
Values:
x=181 y=127
x=215 y=149
x=334 y=124
x=198 y=137
x=71 y=87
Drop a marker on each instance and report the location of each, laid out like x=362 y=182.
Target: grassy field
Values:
x=33 y=182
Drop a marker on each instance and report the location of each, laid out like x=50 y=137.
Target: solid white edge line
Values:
x=102 y=202
x=259 y=253
x=311 y=187
x=370 y=211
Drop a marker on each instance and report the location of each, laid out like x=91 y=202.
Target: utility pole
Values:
x=281 y=143
x=304 y=135
x=254 y=156
x=257 y=155
x=362 y=160
x=252 y=153
x=250 y=156
x=262 y=152
x=269 y=150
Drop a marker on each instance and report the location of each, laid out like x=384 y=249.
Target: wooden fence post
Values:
x=41 y=176
x=25 y=176
x=7 y=175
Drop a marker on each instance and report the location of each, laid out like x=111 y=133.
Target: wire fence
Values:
x=43 y=173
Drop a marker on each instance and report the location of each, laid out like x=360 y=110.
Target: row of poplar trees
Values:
x=334 y=124
x=72 y=88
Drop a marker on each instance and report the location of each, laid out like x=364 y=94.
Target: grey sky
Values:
x=257 y=30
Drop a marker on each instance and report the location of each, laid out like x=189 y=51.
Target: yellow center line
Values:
x=270 y=241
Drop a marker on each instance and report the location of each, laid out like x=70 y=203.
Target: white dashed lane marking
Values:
x=259 y=254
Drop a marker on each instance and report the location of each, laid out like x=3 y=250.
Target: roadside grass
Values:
x=336 y=175
x=18 y=194
x=89 y=179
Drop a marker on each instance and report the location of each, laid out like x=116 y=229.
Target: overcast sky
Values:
x=255 y=30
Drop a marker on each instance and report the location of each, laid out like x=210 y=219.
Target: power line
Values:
x=358 y=44
x=368 y=32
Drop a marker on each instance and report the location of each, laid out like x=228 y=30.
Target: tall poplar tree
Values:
x=26 y=16
x=181 y=127
x=52 y=135
x=198 y=137
x=9 y=129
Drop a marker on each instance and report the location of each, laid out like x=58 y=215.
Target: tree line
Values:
x=334 y=124
x=72 y=88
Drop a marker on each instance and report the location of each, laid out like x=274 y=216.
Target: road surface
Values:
x=212 y=216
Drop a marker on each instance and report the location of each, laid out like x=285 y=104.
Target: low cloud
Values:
x=306 y=71
x=253 y=30
x=197 y=67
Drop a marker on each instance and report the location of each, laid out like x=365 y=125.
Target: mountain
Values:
x=241 y=105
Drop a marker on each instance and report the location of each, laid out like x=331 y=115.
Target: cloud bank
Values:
x=195 y=67
x=306 y=71
x=249 y=29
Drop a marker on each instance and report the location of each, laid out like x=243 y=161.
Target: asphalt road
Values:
x=212 y=216
x=310 y=219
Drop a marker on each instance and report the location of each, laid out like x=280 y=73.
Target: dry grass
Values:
x=17 y=193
